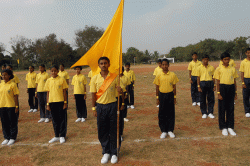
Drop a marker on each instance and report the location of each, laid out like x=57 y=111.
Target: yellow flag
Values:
x=18 y=61
x=109 y=45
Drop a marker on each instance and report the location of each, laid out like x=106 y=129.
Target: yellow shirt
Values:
x=130 y=74
x=231 y=63
x=157 y=71
x=205 y=73
x=245 y=68
x=109 y=96
x=31 y=79
x=55 y=86
x=165 y=81
x=226 y=75
x=64 y=74
x=41 y=79
x=79 y=81
x=193 y=67
x=7 y=92
x=124 y=82
x=15 y=79
x=90 y=74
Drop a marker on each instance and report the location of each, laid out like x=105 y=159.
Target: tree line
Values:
x=49 y=50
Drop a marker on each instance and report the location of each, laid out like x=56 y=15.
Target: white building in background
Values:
x=171 y=60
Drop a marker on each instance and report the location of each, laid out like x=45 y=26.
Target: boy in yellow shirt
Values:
x=158 y=69
x=31 y=89
x=227 y=92
x=9 y=107
x=3 y=68
x=245 y=78
x=131 y=75
x=15 y=79
x=56 y=87
x=166 y=97
x=192 y=67
x=206 y=87
x=106 y=110
x=79 y=82
x=41 y=94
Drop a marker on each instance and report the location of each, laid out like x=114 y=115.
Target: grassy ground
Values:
x=198 y=141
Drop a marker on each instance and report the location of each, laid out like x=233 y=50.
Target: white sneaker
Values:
x=114 y=159
x=163 y=135
x=158 y=106
x=11 y=142
x=121 y=139
x=105 y=158
x=199 y=104
x=194 y=104
x=31 y=110
x=204 y=116
x=78 y=120
x=5 y=142
x=62 y=140
x=231 y=132
x=211 y=116
x=128 y=106
x=41 y=120
x=224 y=132
x=248 y=115
x=171 y=134
x=83 y=120
x=132 y=107
x=55 y=139
x=126 y=120
x=46 y=120
x=34 y=110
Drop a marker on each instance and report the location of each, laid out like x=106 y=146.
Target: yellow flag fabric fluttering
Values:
x=109 y=45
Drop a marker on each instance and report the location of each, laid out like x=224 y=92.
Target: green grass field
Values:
x=198 y=141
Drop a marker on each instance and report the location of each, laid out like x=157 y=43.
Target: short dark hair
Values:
x=205 y=56
x=80 y=67
x=55 y=66
x=248 y=49
x=42 y=65
x=159 y=61
x=10 y=66
x=62 y=64
x=127 y=64
x=103 y=58
x=4 y=65
x=32 y=67
x=9 y=72
x=224 y=55
x=194 y=53
x=165 y=60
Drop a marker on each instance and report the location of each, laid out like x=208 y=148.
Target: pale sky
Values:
x=156 y=25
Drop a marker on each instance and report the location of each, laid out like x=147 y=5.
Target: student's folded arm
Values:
x=16 y=102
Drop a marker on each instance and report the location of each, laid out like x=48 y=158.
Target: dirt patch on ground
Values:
x=207 y=164
x=186 y=128
x=16 y=160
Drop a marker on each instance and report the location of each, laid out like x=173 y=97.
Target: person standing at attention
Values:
x=106 y=109
x=41 y=94
x=131 y=75
x=192 y=67
x=31 y=89
x=227 y=93
x=79 y=82
x=166 y=97
x=245 y=78
x=206 y=87
x=9 y=107
x=56 y=87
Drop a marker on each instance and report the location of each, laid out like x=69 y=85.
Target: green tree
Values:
x=240 y=45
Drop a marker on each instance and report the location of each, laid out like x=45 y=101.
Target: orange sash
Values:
x=105 y=85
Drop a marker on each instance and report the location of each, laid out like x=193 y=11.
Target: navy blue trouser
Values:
x=131 y=94
x=107 y=127
x=33 y=102
x=194 y=90
x=42 y=100
x=207 y=95
x=59 y=118
x=9 y=122
x=166 y=113
x=81 y=109
x=246 y=95
x=226 y=106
